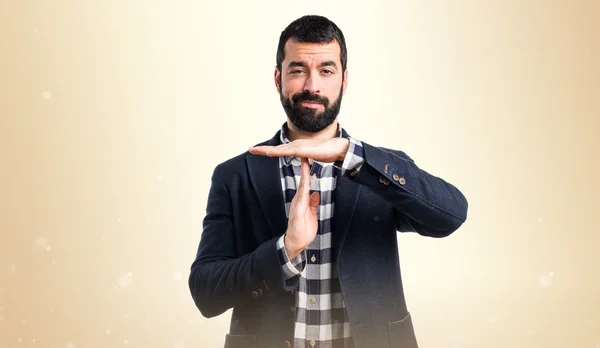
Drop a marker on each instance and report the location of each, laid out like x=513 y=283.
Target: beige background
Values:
x=114 y=113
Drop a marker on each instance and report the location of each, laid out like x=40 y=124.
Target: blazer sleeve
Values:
x=424 y=203
x=219 y=278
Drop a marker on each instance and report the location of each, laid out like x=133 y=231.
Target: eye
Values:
x=297 y=71
x=327 y=71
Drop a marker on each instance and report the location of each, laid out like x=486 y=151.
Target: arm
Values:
x=220 y=279
x=424 y=203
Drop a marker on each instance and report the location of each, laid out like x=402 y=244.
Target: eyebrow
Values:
x=302 y=64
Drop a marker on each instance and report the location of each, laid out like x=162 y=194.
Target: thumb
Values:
x=313 y=202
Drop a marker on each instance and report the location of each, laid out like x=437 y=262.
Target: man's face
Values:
x=311 y=84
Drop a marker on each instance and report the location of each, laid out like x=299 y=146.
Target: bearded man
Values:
x=300 y=232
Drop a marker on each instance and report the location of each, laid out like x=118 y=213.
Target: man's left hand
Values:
x=329 y=150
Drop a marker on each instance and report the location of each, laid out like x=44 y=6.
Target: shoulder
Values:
x=233 y=164
x=237 y=164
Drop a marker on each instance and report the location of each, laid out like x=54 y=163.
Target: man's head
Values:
x=311 y=73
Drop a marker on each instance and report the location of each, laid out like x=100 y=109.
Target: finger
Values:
x=260 y=150
x=273 y=151
x=305 y=175
x=303 y=189
x=313 y=202
x=255 y=150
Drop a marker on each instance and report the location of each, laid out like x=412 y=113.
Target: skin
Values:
x=322 y=146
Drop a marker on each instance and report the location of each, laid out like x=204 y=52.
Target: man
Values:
x=300 y=232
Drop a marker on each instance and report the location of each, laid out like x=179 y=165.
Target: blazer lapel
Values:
x=346 y=196
x=265 y=177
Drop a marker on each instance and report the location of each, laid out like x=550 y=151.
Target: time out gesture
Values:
x=322 y=150
x=303 y=222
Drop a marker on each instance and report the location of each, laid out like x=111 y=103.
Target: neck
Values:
x=294 y=133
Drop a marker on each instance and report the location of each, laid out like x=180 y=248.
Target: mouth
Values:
x=310 y=103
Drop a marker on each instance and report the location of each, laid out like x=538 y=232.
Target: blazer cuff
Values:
x=267 y=266
x=353 y=160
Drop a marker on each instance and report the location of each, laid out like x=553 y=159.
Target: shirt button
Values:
x=313 y=300
x=312 y=343
x=402 y=181
x=287 y=344
x=254 y=294
x=313 y=258
x=314 y=176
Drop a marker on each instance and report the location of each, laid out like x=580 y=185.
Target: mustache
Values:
x=307 y=96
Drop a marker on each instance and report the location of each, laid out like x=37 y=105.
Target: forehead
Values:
x=311 y=52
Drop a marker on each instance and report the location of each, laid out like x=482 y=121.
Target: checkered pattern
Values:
x=321 y=319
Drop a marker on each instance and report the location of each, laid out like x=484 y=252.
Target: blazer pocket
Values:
x=240 y=341
x=402 y=333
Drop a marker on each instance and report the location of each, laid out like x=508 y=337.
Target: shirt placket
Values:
x=314 y=258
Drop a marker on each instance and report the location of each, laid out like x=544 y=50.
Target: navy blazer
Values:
x=237 y=267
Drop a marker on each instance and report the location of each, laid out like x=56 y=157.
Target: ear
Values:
x=276 y=76
x=345 y=83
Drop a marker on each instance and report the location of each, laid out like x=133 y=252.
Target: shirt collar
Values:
x=284 y=140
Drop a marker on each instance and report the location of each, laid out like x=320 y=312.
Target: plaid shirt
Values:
x=321 y=319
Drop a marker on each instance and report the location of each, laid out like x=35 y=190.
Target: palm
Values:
x=303 y=219
x=324 y=151
x=329 y=150
x=311 y=223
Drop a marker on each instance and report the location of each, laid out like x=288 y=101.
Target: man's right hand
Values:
x=303 y=221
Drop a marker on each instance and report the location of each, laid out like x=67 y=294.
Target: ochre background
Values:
x=114 y=113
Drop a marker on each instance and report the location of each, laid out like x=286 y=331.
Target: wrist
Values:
x=342 y=155
x=291 y=250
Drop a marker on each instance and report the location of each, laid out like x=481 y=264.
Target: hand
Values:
x=329 y=150
x=302 y=222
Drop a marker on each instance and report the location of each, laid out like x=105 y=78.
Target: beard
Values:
x=310 y=119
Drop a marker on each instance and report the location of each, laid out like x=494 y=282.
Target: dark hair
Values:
x=312 y=29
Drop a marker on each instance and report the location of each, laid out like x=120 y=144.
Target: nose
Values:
x=312 y=84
